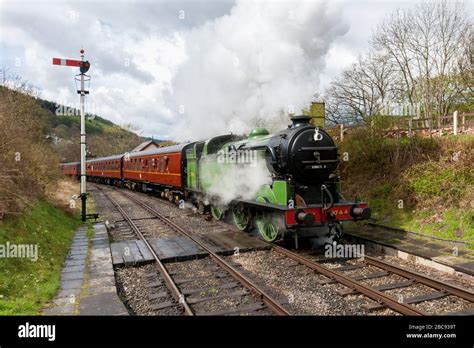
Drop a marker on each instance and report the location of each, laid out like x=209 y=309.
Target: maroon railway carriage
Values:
x=108 y=169
x=157 y=167
x=72 y=169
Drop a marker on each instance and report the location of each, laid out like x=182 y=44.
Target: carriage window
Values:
x=167 y=160
x=162 y=167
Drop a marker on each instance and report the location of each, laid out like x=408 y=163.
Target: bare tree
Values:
x=421 y=58
x=362 y=90
x=426 y=45
x=129 y=127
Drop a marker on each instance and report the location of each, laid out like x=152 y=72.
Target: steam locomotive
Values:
x=301 y=195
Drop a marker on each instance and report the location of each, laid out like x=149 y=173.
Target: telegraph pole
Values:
x=83 y=68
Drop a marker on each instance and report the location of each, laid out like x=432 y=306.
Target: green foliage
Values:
x=93 y=126
x=104 y=138
x=439 y=179
x=433 y=177
x=26 y=285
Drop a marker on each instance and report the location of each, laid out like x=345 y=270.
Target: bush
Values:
x=433 y=177
x=28 y=163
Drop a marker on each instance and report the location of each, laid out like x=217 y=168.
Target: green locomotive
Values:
x=300 y=193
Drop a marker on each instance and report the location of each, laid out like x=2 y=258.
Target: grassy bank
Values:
x=25 y=285
x=420 y=184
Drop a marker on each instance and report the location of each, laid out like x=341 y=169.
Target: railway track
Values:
x=223 y=272
x=401 y=304
x=354 y=284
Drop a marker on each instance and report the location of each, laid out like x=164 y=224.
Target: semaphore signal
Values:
x=83 y=68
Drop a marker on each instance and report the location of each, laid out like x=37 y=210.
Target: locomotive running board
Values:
x=261 y=205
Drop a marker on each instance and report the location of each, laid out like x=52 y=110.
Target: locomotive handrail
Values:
x=314 y=148
x=325 y=189
x=270 y=149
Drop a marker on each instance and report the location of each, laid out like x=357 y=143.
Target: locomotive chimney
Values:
x=298 y=121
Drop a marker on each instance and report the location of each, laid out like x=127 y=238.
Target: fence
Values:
x=397 y=126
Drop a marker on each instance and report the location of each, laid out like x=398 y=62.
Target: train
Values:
x=300 y=196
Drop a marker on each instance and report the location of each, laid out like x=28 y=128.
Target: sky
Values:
x=187 y=70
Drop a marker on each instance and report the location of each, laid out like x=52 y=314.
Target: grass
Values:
x=25 y=285
x=414 y=183
x=451 y=223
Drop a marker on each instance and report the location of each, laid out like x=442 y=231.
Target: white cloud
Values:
x=224 y=62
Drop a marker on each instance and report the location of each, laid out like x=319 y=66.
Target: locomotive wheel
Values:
x=217 y=212
x=202 y=208
x=268 y=230
x=241 y=217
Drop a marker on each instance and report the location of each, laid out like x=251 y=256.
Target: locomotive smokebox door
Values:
x=84 y=67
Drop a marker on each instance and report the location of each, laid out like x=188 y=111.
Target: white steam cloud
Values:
x=242 y=182
x=252 y=66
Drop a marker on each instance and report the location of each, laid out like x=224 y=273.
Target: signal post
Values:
x=82 y=78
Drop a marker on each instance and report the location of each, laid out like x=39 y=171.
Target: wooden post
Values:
x=410 y=126
x=463 y=122
x=455 y=122
x=341 y=126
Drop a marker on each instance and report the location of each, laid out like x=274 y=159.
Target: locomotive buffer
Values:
x=83 y=78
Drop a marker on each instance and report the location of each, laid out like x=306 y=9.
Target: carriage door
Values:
x=192 y=158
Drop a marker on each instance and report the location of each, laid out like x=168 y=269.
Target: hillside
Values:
x=34 y=140
x=104 y=138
